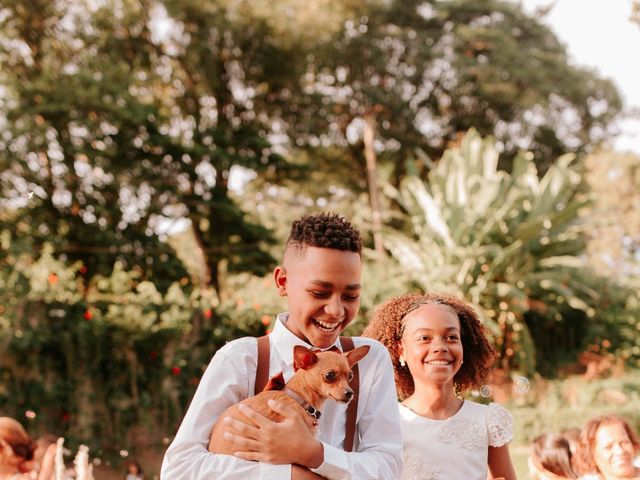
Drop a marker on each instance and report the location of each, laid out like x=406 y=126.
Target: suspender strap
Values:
x=262 y=370
x=352 y=409
x=262 y=377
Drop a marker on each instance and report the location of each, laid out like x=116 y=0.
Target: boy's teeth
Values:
x=328 y=326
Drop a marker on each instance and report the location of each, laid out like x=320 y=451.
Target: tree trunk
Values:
x=368 y=135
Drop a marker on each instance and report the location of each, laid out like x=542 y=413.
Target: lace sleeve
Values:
x=499 y=425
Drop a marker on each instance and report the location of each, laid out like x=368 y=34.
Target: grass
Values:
x=519 y=455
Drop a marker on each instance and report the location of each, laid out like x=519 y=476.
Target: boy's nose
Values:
x=334 y=308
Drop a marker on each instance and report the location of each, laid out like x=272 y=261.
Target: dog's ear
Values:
x=275 y=383
x=357 y=354
x=303 y=358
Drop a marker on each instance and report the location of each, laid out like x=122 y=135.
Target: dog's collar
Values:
x=310 y=409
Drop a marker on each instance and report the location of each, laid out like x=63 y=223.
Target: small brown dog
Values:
x=318 y=376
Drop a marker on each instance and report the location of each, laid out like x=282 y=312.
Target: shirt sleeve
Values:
x=224 y=383
x=499 y=425
x=378 y=453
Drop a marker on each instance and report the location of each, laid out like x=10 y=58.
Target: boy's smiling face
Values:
x=322 y=286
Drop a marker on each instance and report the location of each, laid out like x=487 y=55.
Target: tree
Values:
x=407 y=75
x=511 y=243
x=77 y=141
x=115 y=128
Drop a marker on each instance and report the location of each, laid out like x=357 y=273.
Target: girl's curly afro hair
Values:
x=387 y=326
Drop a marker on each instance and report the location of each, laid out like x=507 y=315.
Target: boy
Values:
x=320 y=276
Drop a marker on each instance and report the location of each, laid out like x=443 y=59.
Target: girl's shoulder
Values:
x=498 y=420
x=491 y=410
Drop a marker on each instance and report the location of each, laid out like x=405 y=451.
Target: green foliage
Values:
x=552 y=406
x=94 y=360
x=512 y=244
x=429 y=71
x=107 y=148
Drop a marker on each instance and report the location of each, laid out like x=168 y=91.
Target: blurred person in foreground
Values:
x=607 y=449
x=17 y=452
x=551 y=458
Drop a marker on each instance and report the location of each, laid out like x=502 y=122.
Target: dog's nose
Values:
x=348 y=393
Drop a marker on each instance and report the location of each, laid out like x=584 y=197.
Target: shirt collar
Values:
x=284 y=340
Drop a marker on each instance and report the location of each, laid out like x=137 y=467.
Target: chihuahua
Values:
x=318 y=376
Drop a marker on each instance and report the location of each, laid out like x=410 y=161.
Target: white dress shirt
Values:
x=230 y=378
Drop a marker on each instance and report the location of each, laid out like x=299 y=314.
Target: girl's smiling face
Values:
x=431 y=344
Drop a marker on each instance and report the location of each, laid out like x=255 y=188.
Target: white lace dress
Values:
x=455 y=448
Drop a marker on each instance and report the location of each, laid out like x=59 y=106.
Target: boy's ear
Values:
x=280 y=277
x=303 y=358
x=357 y=354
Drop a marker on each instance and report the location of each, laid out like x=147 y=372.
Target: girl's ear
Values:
x=280 y=277
x=400 y=350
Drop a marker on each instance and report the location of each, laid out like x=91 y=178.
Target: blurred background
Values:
x=153 y=155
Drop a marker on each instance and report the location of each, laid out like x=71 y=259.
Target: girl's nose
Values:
x=439 y=345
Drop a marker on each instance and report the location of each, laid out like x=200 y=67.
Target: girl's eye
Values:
x=453 y=337
x=351 y=298
x=330 y=376
x=424 y=338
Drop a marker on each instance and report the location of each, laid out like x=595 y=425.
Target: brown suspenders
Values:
x=352 y=409
x=262 y=376
x=262 y=370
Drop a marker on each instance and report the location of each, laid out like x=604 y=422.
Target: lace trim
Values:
x=417 y=468
x=466 y=432
x=499 y=425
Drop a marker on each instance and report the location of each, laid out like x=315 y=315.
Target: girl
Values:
x=439 y=350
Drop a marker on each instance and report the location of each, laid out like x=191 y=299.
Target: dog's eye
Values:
x=330 y=376
x=350 y=376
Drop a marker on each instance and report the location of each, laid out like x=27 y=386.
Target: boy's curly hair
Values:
x=324 y=230
x=387 y=326
x=584 y=461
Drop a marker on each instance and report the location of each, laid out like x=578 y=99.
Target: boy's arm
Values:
x=379 y=451
x=224 y=383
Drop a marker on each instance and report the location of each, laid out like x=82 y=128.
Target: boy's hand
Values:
x=289 y=441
